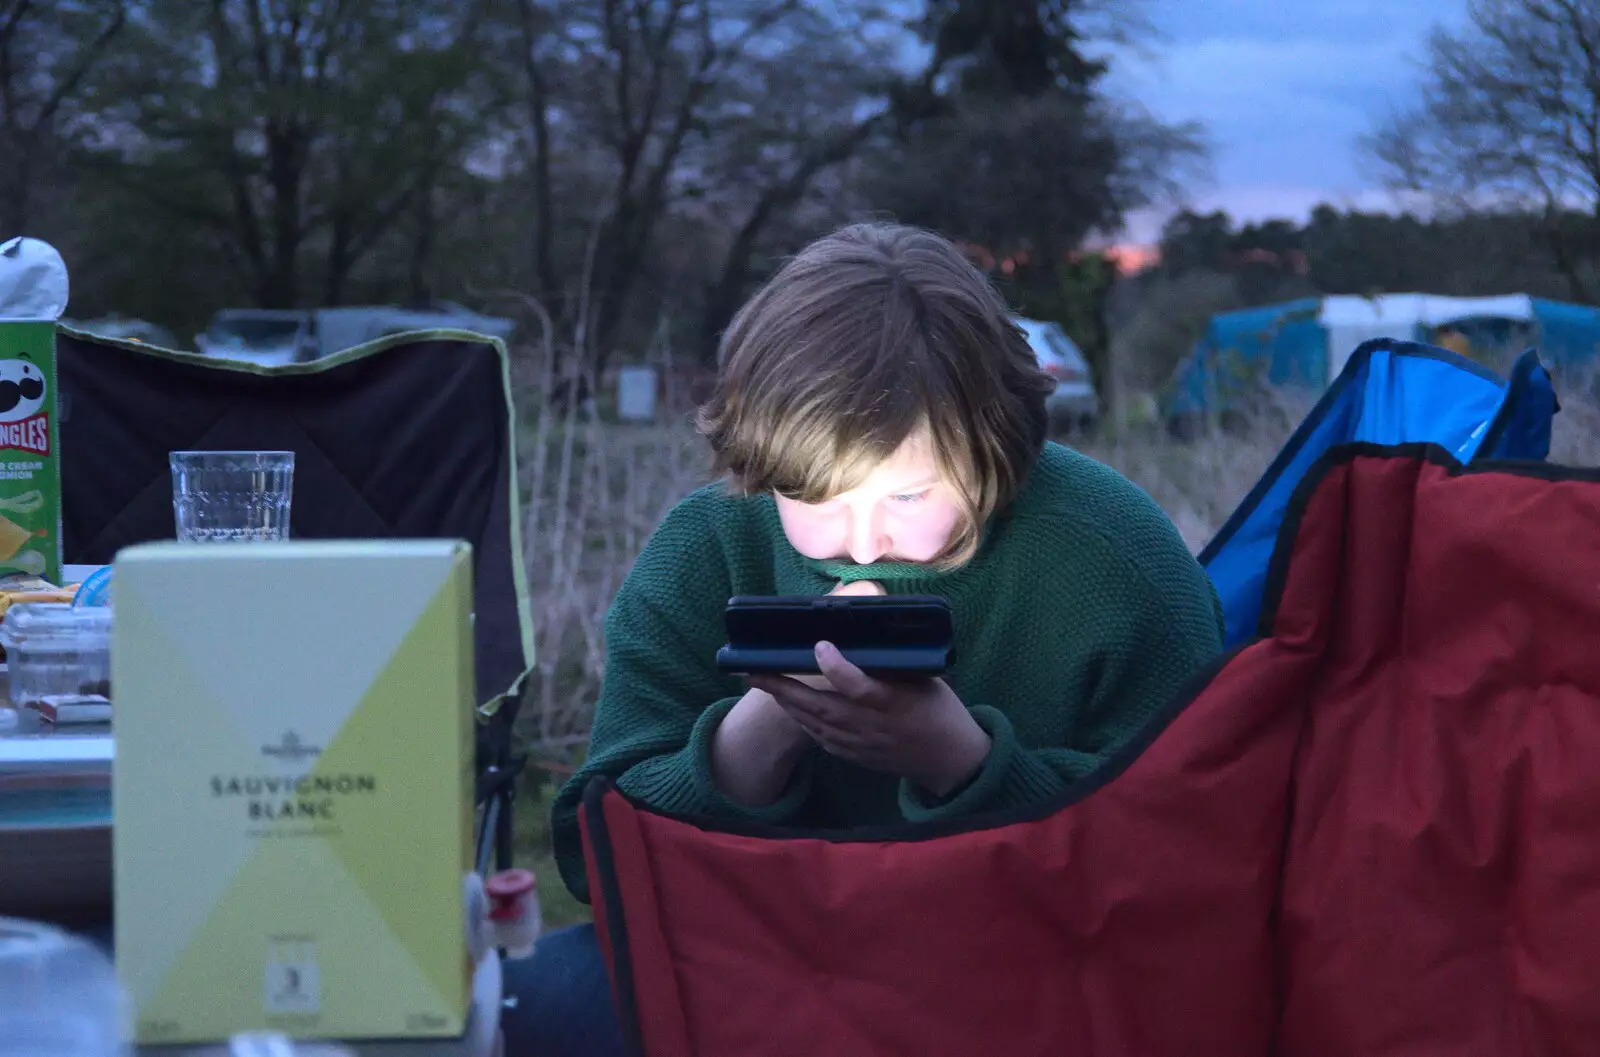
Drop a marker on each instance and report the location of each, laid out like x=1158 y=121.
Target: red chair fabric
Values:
x=1372 y=832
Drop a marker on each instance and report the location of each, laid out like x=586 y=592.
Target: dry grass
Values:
x=1199 y=484
x=1575 y=440
x=602 y=486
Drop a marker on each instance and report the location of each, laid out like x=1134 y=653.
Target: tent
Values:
x=1306 y=343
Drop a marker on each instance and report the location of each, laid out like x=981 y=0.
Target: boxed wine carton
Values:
x=292 y=792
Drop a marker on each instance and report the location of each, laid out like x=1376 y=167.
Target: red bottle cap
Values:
x=507 y=890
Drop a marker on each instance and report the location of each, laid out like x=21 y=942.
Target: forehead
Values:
x=912 y=463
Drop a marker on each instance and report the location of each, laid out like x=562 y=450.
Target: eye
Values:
x=910 y=497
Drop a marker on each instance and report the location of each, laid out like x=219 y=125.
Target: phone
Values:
x=883 y=635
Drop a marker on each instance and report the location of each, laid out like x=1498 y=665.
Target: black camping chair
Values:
x=409 y=437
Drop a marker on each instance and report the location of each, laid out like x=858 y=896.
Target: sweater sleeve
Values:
x=662 y=697
x=1164 y=630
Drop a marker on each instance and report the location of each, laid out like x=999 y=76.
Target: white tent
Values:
x=1350 y=320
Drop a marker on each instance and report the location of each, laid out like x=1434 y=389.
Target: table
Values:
x=55 y=825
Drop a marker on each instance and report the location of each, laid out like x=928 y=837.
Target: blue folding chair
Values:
x=1392 y=393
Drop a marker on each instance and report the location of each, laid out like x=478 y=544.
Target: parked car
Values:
x=1074 y=405
x=274 y=337
x=268 y=337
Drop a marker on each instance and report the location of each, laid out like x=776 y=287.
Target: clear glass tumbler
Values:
x=232 y=495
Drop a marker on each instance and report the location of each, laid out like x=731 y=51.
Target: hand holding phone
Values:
x=883 y=635
x=914 y=728
x=853 y=588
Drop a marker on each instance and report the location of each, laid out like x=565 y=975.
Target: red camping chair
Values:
x=1370 y=832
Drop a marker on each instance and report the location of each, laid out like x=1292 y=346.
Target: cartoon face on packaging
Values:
x=21 y=389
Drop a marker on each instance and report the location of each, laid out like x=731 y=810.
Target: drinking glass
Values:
x=232 y=495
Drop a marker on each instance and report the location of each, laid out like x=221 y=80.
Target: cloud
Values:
x=1283 y=92
x=1291 y=110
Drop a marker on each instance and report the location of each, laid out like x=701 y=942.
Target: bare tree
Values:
x=701 y=137
x=666 y=117
x=46 y=51
x=291 y=131
x=539 y=42
x=647 y=91
x=1510 y=119
x=807 y=107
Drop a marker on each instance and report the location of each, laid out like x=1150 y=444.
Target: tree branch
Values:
x=68 y=85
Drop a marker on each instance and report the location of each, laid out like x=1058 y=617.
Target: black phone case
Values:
x=883 y=635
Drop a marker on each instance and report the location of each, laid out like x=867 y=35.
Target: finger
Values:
x=788 y=684
x=843 y=752
x=817 y=734
x=795 y=695
x=820 y=730
x=775 y=684
x=844 y=747
x=816 y=682
x=836 y=723
x=859 y=587
x=840 y=743
x=846 y=678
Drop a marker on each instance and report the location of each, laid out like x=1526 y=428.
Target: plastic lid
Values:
x=509 y=884
x=58 y=994
x=95 y=589
x=507 y=889
x=27 y=622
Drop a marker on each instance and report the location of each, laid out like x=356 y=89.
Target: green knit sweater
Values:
x=1081 y=615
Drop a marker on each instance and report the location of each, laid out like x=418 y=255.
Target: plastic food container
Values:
x=58 y=994
x=59 y=661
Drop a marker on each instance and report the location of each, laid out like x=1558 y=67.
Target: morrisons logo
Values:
x=291 y=748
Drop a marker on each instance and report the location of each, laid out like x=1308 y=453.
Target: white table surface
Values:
x=88 y=751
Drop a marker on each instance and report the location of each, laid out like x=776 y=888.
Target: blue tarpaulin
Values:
x=1390 y=392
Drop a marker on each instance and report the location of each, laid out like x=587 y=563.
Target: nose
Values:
x=867 y=541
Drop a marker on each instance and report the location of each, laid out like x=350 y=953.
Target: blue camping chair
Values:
x=1390 y=392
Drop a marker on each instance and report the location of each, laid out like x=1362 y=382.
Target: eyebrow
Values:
x=915 y=486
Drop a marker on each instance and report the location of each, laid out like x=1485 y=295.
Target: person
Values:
x=879 y=424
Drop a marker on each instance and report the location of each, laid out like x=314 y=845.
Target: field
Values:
x=601 y=486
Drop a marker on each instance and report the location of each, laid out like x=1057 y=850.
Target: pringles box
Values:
x=33 y=294
x=293 y=788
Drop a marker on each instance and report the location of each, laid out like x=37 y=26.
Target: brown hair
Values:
x=866 y=336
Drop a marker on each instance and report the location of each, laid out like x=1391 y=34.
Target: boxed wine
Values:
x=292 y=793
